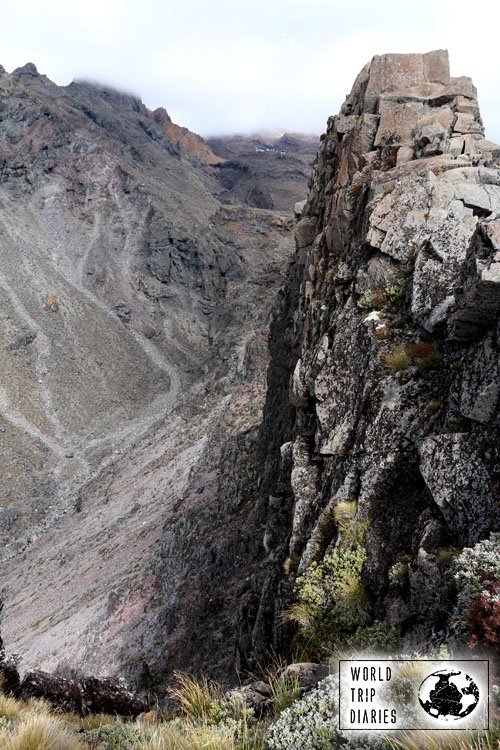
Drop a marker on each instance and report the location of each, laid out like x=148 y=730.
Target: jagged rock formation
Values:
x=131 y=343
x=190 y=145
x=383 y=385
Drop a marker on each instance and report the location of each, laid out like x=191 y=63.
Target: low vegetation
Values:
x=476 y=573
x=425 y=356
x=305 y=723
x=333 y=622
x=331 y=602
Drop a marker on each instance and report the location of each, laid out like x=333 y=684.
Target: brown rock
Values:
x=308 y=674
x=397 y=122
x=395 y=72
x=305 y=232
x=462 y=86
x=464 y=123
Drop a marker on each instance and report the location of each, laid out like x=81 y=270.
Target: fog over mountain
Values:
x=225 y=67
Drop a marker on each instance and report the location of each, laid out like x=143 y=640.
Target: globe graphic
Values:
x=448 y=695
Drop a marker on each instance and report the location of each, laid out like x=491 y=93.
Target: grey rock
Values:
x=460 y=484
x=481 y=382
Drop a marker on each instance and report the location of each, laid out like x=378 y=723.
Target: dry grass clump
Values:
x=196 y=698
x=173 y=737
x=398 y=358
x=425 y=356
x=94 y=721
x=449 y=740
x=284 y=688
x=39 y=732
x=9 y=707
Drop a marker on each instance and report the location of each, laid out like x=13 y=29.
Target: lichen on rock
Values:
x=394 y=388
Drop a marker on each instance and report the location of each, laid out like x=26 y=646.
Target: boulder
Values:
x=88 y=695
x=307 y=674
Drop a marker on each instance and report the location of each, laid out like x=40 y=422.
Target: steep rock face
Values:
x=392 y=393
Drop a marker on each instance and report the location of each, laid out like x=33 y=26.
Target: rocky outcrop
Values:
x=87 y=695
x=391 y=376
x=190 y=145
x=84 y=695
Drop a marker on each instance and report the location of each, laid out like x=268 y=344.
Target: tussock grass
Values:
x=196 y=698
x=398 y=358
x=9 y=707
x=94 y=721
x=39 y=732
x=37 y=706
x=487 y=740
x=284 y=688
x=172 y=737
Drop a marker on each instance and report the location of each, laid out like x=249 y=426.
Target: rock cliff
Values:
x=383 y=384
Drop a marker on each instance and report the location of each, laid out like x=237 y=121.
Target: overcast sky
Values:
x=229 y=66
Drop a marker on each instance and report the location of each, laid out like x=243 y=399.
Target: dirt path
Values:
x=53 y=251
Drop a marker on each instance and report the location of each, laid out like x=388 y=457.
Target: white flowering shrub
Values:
x=309 y=723
x=312 y=724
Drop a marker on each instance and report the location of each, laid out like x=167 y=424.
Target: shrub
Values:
x=476 y=572
x=474 y=568
x=309 y=724
x=394 y=293
x=365 y=301
x=377 y=638
x=372 y=299
x=116 y=736
x=425 y=355
x=398 y=573
x=312 y=724
x=331 y=601
x=51 y=303
x=483 y=616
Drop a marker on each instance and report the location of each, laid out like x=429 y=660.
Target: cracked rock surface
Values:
x=383 y=382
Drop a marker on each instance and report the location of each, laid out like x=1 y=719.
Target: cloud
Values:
x=223 y=66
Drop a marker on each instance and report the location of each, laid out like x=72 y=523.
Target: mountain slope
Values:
x=127 y=293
